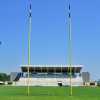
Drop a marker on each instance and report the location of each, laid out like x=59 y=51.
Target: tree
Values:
x=4 y=77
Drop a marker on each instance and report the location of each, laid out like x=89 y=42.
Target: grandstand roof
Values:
x=51 y=68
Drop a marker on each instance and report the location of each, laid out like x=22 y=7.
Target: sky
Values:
x=49 y=37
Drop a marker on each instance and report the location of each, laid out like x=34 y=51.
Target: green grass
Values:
x=49 y=93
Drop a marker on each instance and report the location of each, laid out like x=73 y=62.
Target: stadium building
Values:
x=48 y=75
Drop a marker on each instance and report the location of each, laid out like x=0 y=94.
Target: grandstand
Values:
x=48 y=75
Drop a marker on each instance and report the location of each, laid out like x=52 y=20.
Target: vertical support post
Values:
x=29 y=45
x=70 y=52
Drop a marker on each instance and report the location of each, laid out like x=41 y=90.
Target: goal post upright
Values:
x=29 y=44
x=70 y=49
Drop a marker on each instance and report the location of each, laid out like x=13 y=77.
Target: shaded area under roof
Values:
x=43 y=69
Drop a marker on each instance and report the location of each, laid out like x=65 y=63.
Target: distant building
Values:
x=86 y=78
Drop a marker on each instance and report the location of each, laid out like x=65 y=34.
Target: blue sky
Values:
x=49 y=38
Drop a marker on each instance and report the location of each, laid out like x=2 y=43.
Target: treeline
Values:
x=4 y=77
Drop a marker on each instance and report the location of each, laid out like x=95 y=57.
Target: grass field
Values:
x=49 y=93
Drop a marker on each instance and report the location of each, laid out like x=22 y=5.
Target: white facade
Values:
x=49 y=81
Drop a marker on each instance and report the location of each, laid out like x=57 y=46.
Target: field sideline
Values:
x=49 y=93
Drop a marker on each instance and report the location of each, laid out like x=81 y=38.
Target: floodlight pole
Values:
x=70 y=52
x=29 y=44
